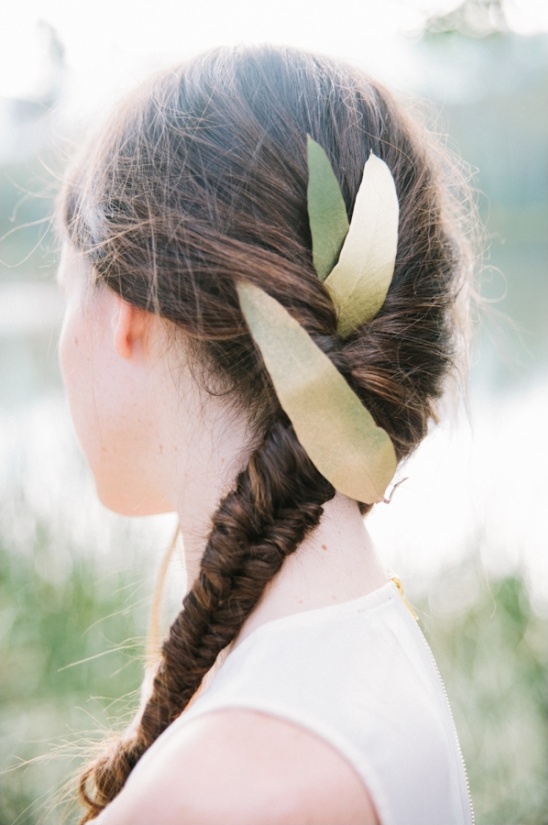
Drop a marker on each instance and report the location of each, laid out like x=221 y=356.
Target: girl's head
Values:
x=199 y=181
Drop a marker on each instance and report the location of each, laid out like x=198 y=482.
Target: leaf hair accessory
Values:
x=366 y=249
x=356 y=263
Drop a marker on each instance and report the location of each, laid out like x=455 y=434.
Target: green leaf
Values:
x=360 y=280
x=336 y=430
x=326 y=210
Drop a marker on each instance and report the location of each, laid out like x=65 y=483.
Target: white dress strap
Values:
x=361 y=676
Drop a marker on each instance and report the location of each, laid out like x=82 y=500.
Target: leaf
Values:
x=336 y=430
x=360 y=280
x=326 y=210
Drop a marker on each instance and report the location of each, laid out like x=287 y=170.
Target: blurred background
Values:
x=464 y=531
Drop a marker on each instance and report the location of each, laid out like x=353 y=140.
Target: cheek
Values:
x=68 y=351
x=75 y=359
x=106 y=411
x=84 y=369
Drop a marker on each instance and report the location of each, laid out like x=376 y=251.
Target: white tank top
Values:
x=361 y=676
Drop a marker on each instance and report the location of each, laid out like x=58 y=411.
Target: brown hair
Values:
x=200 y=180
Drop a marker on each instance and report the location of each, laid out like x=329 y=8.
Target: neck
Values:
x=206 y=445
x=202 y=486
x=336 y=562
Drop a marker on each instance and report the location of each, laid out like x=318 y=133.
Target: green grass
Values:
x=492 y=654
x=72 y=646
x=72 y=638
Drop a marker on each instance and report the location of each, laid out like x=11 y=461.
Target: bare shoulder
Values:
x=235 y=766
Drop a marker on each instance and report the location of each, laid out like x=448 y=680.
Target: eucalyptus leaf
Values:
x=360 y=280
x=336 y=430
x=326 y=210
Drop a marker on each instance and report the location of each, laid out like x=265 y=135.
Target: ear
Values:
x=130 y=326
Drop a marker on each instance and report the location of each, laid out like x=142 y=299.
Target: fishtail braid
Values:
x=277 y=500
x=200 y=182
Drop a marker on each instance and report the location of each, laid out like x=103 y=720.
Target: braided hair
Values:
x=200 y=180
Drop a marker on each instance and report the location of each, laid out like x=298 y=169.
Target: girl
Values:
x=262 y=270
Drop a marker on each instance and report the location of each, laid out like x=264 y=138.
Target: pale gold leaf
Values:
x=360 y=280
x=336 y=430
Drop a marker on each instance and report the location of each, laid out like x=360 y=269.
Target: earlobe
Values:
x=129 y=326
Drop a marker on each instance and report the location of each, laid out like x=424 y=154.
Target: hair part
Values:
x=200 y=180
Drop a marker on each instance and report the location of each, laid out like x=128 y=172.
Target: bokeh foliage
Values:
x=73 y=645
x=491 y=650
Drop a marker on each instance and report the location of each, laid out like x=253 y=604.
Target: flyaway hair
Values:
x=198 y=183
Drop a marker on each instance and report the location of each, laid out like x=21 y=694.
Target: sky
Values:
x=111 y=44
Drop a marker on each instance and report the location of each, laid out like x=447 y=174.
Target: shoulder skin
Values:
x=241 y=766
